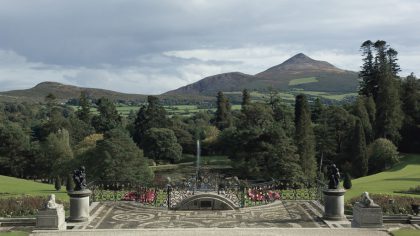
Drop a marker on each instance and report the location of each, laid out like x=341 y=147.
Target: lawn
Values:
x=14 y=233
x=401 y=177
x=303 y=81
x=406 y=232
x=14 y=187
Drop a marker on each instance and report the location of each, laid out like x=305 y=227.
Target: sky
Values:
x=153 y=46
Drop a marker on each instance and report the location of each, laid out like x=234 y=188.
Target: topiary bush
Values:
x=57 y=183
x=347 y=181
x=382 y=154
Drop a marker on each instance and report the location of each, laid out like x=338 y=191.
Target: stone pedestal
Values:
x=79 y=205
x=334 y=204
x=51 y=219
x=367 y=217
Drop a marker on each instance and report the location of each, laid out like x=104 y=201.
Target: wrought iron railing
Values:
x=241 y=193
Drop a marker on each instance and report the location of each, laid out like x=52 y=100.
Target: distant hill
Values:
x=65 y=92
x=297 y=73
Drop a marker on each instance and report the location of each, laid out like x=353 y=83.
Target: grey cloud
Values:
x=115 y=35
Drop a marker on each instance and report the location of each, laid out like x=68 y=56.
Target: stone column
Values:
x=79 y=205
x=334 y=204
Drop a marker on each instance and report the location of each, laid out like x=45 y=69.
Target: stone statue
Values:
x=79 y=178
x=366 y=201
x=51 y=204
x=334 y=177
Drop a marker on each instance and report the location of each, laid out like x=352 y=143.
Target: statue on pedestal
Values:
x=79 y=178
x=333 y=176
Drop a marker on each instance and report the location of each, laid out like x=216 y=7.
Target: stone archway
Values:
x=206 y=201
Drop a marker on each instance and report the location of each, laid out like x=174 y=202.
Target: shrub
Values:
x=382 y=155
x=57 y=183
x=389 y=204
x=347 y=181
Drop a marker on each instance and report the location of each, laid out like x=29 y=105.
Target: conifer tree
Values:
x=246 y=97
x=359 y=110
x=317 y=110
x=84 y=111
x=359 y=151
x=304 y=137
x=152 y=115
x=69 y=183
x=223 y=118
x=347 y=181
x=388 y=108
x=57 y=183
x=368 y=81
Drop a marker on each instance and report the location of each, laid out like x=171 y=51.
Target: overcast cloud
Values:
x=152 y=46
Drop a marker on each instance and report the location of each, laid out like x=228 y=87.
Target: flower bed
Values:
x=23 y=206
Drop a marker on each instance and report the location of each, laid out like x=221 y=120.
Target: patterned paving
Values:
x=280 y=214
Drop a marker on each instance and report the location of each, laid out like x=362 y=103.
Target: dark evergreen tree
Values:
x=246 y=97
x=108 y=117
x=389 y=115
x=223 y=117
x=371 y=110
x=359 y=110
x=368 y=83
x=359 y=151
x=347 y=181
x=84 y=111
x=152 y=115
x=69 y=183
x=316 y=110
x=393 y=61
x=411 y=107
x=304 y=137
x=57 y=183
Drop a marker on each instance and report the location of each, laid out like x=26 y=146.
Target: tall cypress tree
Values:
x=246 y=97
x=84 y=111
x=223 y=118
x=411 y=107
x=304 y=137
x=359 y=110
x=360 y=159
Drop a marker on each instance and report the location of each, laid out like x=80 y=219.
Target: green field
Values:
x=401 y=177
x=307 y=80
x=14 y=233
x=406 y=232
x=14 y=187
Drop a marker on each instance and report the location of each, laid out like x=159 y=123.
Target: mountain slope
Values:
x=65 y=92
x=298 y=72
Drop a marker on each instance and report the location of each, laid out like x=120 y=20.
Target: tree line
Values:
x=271 y=139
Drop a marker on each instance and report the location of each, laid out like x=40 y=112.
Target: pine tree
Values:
x=84 y=111
x=223 y=118
x=304 y=137
x=108 y=117
x=246 y=97
x=411 y=107
x=316 y=110
x=359 y=110
x=371 y=110
x=368 y=81
x=359 y=151
x=388 y=108
x=152 y=115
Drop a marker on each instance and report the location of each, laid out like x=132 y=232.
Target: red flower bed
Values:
x=146 y=197
x=259 y=195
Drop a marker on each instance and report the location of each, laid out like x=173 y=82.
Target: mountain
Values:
x=65 y=92
x=297 y=73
